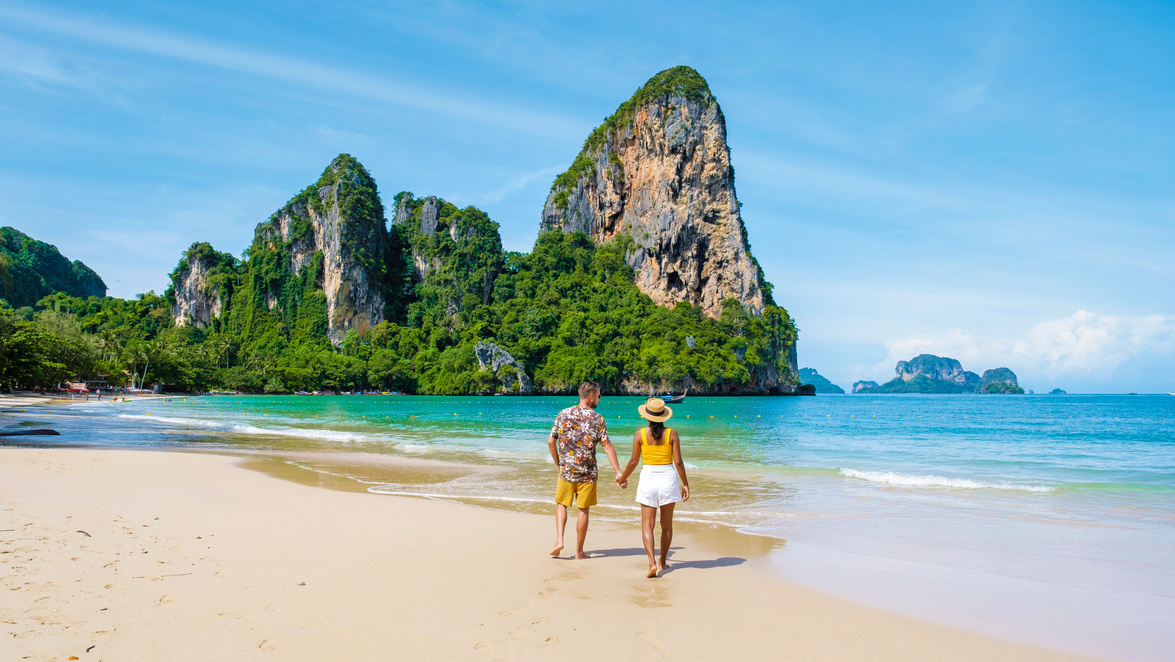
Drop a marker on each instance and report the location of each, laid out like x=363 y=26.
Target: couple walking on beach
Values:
x=663 y=483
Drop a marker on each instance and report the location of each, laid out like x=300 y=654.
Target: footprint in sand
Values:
x=267 y=645
x=553 y=640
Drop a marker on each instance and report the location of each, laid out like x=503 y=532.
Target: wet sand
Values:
x=136 y=555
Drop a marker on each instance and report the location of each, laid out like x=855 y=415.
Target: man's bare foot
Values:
x=579 y=556
x=662 y=564
x=558 y=548
x=652 y=572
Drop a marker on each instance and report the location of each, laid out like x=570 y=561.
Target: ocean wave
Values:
x=304 y=433
x=908 y=480
x=245 y=428
x=190 y=422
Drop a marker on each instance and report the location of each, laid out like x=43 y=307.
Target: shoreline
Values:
x=193 y=556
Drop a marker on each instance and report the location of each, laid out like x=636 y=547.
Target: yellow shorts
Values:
x=583 y=495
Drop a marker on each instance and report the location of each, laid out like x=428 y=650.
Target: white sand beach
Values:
x=136 y=555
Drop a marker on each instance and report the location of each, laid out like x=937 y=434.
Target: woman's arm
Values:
x=636 y=457
x=679 y=464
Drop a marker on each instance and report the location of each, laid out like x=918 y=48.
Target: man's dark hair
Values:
x=587 y=388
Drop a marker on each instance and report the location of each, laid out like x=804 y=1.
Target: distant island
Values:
x=810 y=376
x=927 y=373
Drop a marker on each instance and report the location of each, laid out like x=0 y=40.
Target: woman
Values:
x=662 y=483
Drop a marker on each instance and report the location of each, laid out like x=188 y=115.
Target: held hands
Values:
x=621 y=481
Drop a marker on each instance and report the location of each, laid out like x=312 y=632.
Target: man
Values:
x=574 y=437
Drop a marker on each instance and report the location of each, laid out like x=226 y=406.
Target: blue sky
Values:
x=990 y=181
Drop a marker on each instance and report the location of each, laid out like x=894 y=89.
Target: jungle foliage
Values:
x=567 y=311
x=32 y=269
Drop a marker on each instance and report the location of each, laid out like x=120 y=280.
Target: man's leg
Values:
x=560 y=526
x=581 y=524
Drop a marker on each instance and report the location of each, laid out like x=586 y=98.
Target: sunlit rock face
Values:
x=658 y=170
x=337 y=228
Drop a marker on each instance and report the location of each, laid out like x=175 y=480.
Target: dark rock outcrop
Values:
x=863 y=386
x=1058 y=391
x=512 y=376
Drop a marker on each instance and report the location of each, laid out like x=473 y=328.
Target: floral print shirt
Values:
x=577 y=430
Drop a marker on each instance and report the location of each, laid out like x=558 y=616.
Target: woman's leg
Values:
x=648 y=521
x=666 y=532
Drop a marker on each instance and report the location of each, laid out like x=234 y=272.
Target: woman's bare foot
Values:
x=558 y=548
x=579 y=556
x=662 y=564
x=652 y=572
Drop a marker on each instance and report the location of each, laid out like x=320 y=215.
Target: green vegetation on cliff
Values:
x=680 y=81
x=810 y=376
x=567 y=311
x=32 y=269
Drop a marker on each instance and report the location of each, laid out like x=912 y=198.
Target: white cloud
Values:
x=1086 y=342
x=1082 y=345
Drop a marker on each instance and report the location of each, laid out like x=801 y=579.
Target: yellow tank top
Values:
x=656 y=454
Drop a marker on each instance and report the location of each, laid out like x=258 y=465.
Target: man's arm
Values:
x=553 y=444
x=611 y=453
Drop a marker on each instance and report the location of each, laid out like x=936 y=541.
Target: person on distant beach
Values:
x=663 y=481
x=573 y=440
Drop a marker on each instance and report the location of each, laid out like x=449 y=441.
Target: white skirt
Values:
x=658 y=486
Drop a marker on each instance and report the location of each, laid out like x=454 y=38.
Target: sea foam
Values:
x=244 y=428
x=908 y=480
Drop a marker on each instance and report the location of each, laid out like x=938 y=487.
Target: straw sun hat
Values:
x=655 y=410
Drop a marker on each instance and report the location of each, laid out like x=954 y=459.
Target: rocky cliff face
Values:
x=937 y=368
x=507 y=370
x=658 y=170
x=201 y=285
x=927 y=373
x=454 y=254
x=341 y=219
x=998 y=375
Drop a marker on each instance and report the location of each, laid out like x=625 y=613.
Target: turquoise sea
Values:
x=981 y=511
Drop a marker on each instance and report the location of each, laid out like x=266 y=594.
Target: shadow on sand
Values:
x=705 y=564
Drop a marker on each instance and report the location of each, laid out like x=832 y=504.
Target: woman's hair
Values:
x=656 y=430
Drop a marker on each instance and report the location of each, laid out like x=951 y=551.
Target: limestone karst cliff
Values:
x=937 y=368
x=201 y=285
x=659 y=171
x=335 y=228
x=454 y=255
x=658 y=293
x=927 y=373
